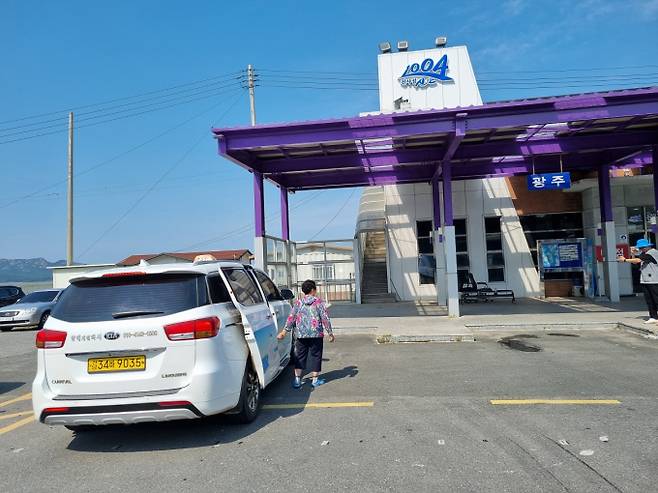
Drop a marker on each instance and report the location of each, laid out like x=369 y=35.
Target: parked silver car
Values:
x=31 y=310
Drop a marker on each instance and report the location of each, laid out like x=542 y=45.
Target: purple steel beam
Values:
x=425 y=172
x=259 y=205
x=285 y=216
x=630 y=103
x=557 y=145
x=436 y=203
x=605 y=194
x=469 y=151
x=446 y=179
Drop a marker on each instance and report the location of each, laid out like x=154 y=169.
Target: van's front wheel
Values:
x=249 y=404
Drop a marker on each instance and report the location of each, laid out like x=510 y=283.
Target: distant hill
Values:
x=27 y=270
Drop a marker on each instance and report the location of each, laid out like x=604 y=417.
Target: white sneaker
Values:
x=651 y=321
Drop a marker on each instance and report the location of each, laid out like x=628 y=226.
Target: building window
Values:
x=495 y=257
x=324 y=271
x=560 y=226
x=640 y=221
x=461 y=243
x=426 y=260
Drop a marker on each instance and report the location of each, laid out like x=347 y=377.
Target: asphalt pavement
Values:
x=562 y=411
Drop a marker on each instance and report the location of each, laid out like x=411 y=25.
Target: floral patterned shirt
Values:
x=309 y=318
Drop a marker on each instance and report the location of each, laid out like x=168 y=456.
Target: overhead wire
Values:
x=108 y=120
x=335 y=215
x=142 y=197
x=244 y=229
x=111 y=159
x=124 y=98
x=136 y=104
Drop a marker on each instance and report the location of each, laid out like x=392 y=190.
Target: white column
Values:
x=260 y=253
x=451 y=270
x=357 y=267
x=441 y=280
x=610 y=266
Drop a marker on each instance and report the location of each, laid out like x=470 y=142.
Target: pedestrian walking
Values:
x=310 y=321
x=648 y=260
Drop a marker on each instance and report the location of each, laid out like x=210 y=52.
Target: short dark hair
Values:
x=308 y=286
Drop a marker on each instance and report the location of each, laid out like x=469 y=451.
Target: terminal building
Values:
x=457 y=186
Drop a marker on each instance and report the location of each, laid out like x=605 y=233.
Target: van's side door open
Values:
x=259 y=326
x=279 y=308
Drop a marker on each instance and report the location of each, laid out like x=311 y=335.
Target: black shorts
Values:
x=309 y=348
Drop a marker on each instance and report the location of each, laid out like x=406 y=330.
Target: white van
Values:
x=160 y=343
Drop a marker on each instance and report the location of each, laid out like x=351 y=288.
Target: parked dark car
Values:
x=10 y=295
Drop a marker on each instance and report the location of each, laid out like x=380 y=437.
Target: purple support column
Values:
x=259 y=205
x=285 y=218
x=436 y=202
x=609 y=237
x=605 y=194
x=447 y=193
x=654 y=155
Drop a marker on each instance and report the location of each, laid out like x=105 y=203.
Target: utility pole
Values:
x=252 y=96
x=69 y=242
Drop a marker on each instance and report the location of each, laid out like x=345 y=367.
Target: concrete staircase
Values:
x=374 y=287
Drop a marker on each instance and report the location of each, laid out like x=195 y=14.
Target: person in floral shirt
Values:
x=310 y=321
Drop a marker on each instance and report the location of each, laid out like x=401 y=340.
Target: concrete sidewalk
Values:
x=408 y=321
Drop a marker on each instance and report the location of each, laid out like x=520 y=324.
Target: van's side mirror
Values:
x=287 y=294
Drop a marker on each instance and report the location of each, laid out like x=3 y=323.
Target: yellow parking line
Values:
x=317 y=405
x=16 y=399
x=17 y=424
x=13 y=415
x=526 y=402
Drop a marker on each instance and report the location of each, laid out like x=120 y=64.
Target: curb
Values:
x=402 y=339
x=647 y=333
x=544 y=326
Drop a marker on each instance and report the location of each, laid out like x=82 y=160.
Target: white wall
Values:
x=473 y=200
x=462 y=91
x=62 y=275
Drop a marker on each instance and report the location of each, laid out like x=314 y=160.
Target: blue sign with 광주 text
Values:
x=549 y=181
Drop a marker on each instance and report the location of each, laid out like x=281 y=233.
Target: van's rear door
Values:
x=116 y=341
x=259 y=326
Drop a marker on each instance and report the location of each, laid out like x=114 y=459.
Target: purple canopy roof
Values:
x=585 y=131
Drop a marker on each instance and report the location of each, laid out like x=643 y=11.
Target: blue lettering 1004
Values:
x=426 y=74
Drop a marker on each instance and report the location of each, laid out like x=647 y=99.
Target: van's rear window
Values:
x=155 y=295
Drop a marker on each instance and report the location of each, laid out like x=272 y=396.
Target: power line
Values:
x=108 y=120
x=335 y=216
x=244 y=229
x=160 y=179
x=108 y=161
x=75 y=108
x=183 y=94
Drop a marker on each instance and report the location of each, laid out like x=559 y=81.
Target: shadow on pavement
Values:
x=9 y=386
x=210 y=431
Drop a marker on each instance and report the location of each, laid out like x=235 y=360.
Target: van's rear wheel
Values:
x=249 y=404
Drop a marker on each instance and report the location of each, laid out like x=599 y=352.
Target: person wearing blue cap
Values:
x=648 y=260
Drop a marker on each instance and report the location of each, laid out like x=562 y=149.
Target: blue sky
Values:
x=60 y=55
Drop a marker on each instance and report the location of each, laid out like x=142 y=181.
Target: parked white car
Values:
x=160 y=343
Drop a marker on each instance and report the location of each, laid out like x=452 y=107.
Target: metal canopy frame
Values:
x=498 y=139
x=594 y=131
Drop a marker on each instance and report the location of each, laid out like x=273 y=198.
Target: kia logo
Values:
x=111 y=336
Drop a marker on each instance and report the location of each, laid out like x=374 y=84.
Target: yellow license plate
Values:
x=125 y=363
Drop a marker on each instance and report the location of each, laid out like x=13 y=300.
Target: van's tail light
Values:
x=50 y=339
x=203 y=328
